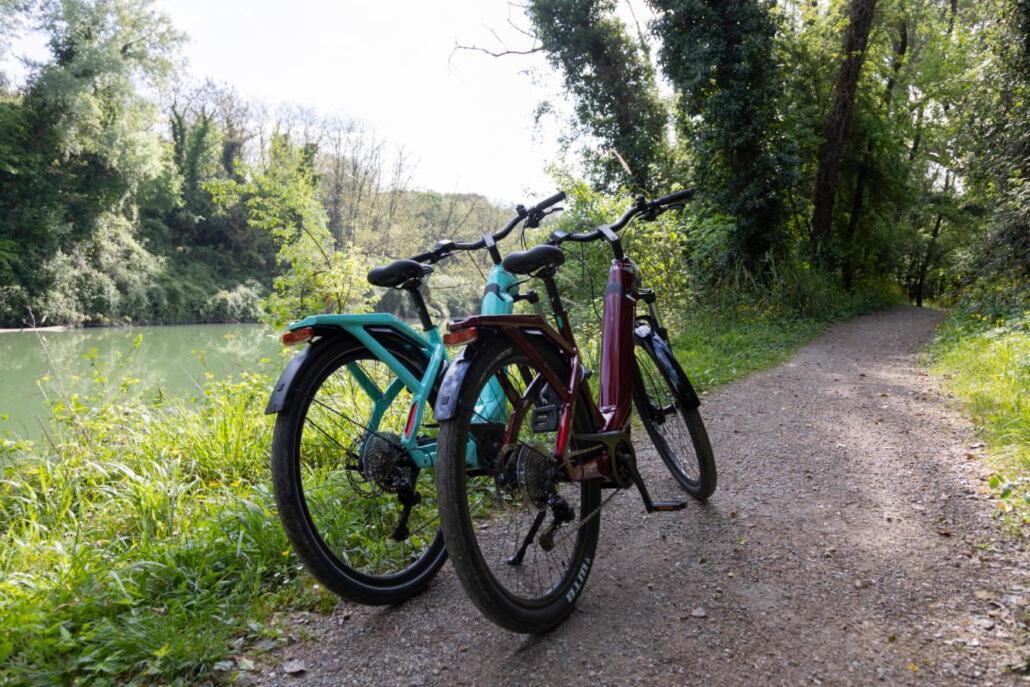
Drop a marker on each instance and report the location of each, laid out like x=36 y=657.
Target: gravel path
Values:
x=850 y=542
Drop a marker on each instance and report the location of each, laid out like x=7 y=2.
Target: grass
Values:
x=142 y=539
x=985 y=358
x=139 y=542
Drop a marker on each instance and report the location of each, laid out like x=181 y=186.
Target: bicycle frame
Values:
x=612 y=414
x=498 y=300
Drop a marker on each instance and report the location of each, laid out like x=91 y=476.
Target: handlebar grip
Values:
x=548 y=202
x=677 y=197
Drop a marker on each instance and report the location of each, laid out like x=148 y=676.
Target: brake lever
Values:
x=653 y=213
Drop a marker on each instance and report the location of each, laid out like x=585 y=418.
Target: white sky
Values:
x=466 y=120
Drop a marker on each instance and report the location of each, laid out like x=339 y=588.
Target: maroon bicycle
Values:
x=521 y=524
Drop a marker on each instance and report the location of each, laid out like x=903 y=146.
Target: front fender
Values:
x=647 y=336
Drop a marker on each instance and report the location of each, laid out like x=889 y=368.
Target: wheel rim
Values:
x=667 y=427
x=352 y=508
x=506 y=498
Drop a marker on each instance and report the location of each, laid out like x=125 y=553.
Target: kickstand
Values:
x=649 y=505
x=519 y=555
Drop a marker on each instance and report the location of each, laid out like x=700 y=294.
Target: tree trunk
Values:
x=924 y=266
x=848 y=269
x=838 y=123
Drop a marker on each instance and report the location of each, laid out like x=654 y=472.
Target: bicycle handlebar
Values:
x=531 y=216
x=648 y=210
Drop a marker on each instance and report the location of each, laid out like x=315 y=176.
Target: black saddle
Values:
x=529 y=261
x=397 y=273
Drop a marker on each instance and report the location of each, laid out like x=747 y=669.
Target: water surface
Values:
x=174 y=360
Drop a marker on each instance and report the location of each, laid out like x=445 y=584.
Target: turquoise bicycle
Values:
x=355 y=439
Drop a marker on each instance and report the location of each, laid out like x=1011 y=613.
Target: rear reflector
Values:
x=462 y=336
x=298 y=336
x=410 y=425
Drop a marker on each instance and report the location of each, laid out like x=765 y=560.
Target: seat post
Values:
x=557 y=307
x=420 y=305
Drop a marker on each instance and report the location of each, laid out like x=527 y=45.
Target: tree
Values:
x=838 y=121
x=78 y=145
x=721 y=57
x=611 y=79
x=281 y=198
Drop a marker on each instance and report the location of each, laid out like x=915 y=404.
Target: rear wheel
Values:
x=520 y=535
x=674 y=427
x=342 y=479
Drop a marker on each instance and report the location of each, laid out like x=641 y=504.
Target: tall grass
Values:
x=984 y=354
x=140 y=539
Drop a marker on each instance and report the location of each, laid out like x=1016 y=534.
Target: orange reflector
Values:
x=410 y=425
x=462 y=336
x=298 y=336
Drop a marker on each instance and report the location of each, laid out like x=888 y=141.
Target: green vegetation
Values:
x=119 y=206
x=139 y=540
x=985 y=359
x=847 y=154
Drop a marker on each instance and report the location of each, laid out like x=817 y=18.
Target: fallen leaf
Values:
x=912 y=666
x=244 y=663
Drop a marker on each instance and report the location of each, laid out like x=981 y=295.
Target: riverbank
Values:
x=40 y=367
x=56 y=328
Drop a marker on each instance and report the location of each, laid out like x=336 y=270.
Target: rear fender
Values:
x=646 y=335
x=375 y=331
x=531 y=329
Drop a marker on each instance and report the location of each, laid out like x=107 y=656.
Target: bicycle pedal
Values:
x=668 y=506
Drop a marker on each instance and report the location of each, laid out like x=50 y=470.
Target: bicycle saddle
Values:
x=529 y=261
x=397 y=273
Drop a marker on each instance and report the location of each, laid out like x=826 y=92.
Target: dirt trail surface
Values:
x=850 y=542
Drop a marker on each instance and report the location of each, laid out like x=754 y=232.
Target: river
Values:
x=172 y=360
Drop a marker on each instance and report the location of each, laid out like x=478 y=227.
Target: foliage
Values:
x=140 y=539
x=610 y=76
x=984 y=352
x=281 y=199
x=722 y=59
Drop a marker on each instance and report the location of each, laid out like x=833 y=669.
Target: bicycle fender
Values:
x=281 y=390
x=450 y=388
x=646 y=335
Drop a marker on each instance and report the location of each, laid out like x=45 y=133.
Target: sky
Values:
x=464 y=118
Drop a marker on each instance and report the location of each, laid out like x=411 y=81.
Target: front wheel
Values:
x=673 y=424
x=520 y=535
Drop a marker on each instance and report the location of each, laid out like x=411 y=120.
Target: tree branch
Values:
x=496 y=53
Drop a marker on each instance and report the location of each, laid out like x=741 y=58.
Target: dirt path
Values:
x=850 y=542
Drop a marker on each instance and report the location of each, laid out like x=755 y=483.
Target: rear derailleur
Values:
x=386 y=463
